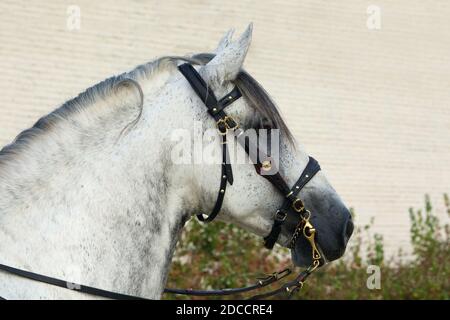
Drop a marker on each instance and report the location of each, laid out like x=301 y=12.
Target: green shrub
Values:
x=220 y=255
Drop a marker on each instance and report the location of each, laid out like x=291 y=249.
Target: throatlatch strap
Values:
x=215 y=109
x=310 y=171
x=227 y=175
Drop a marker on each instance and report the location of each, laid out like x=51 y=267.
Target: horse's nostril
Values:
x=349 y=228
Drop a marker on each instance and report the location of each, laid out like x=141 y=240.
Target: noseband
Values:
x=292 y=215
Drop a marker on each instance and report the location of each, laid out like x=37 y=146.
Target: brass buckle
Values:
x=231 y=123
x=226 y=123
x=298 y=206
x=294 y=288
x=269 y=278
x=222 y=127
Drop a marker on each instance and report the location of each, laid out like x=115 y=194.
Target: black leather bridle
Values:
x=292 y=215
x=292 y=205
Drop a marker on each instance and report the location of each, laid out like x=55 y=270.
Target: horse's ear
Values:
x=228 y=61
x=225 y=41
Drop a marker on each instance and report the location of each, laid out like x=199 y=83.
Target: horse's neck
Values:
x=82 y=205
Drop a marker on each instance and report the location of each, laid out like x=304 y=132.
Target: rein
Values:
x=293 y=216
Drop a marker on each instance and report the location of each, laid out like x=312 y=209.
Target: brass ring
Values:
x=295 y=205
x=309 y=215
x=219 y=122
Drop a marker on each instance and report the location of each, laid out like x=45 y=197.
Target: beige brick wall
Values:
x=372 y=105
